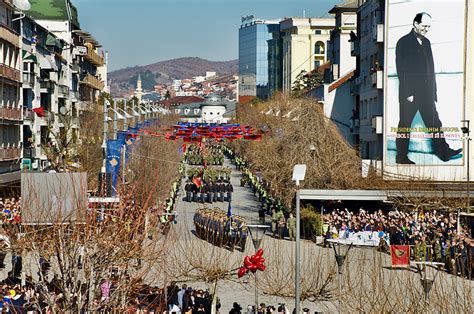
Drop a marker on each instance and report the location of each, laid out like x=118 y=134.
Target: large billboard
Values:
x=424 y=94
x=51 y=198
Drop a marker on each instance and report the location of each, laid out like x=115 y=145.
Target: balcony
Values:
x=28 y=80
x=93 y=57
x=378 y=33
x=29 y=152
x=63 y=91
x=377 y=124
x=28 y=114
x=377 y=79
x=10 y=113
x=355 y=48
x=9 y=153
x=92 y=82
x=9 y=35
x=46 y=84
x=9 y=73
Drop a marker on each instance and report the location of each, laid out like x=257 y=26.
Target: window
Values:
x=317 y=32
x=319 y=48
x=317 y=63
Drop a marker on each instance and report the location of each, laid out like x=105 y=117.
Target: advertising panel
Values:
x=49 y=198
x=424 y=95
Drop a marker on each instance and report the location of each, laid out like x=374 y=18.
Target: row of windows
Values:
x=196 y=111
x=370 y=107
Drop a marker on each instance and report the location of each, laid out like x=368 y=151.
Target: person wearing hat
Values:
x=236 y=309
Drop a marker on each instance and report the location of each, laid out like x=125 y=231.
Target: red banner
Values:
x=400 y=255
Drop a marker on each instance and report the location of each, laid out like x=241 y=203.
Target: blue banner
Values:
x=126 y=139
x=113 y=162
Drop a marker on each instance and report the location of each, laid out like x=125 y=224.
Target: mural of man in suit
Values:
x=417 y=90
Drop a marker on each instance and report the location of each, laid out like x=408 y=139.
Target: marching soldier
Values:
x=242 y=236
x=194 y=190
x=210 y=193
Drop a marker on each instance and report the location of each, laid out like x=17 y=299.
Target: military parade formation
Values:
x=217 y=227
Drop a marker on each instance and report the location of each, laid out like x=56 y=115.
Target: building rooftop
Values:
x=348 y=5
x=180 y=100
x=57 y=10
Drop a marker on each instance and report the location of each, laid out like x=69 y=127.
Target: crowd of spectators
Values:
x=186 y=300
x=10 y=209
x=433 y=236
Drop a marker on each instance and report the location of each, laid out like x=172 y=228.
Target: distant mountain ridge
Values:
x=124 y=80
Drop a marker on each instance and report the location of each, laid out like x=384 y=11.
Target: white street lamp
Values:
x=257 y=232
x=299 y=172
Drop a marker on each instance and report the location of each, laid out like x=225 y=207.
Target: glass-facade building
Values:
x=254 y=38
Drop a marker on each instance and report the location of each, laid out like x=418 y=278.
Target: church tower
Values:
x=139 y=90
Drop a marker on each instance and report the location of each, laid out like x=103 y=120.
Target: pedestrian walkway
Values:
x=245 y=205
x=243 y=202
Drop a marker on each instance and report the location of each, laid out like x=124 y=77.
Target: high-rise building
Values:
x=254 y=37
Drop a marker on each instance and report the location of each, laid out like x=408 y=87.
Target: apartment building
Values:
x=10 y=90
x=304 y=43
x=368 y=47
x=64 y=72
x=335 y=95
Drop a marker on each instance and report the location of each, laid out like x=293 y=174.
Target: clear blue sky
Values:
x=139 y=32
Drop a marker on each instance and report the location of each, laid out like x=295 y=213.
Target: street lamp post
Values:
x=340 y=259
x=257 y=233
x=425 y=281
x=299 y=172
x=105 y=130
x=125 y=124
x=466 y=131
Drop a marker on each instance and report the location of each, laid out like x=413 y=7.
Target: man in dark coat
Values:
x=221 y=192
x=417 y=90
x=189 y=194
x=229 y=190
x=210 y=192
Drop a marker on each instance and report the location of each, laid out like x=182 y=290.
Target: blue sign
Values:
x=112 y=165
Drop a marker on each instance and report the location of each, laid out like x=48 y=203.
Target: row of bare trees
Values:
x=120 y=243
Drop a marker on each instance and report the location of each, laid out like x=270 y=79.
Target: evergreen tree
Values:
x=299 y=84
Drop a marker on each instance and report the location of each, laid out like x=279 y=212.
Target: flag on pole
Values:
x=229 y=210
x=39 y=111
x=400 y=255
x=197 y=181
